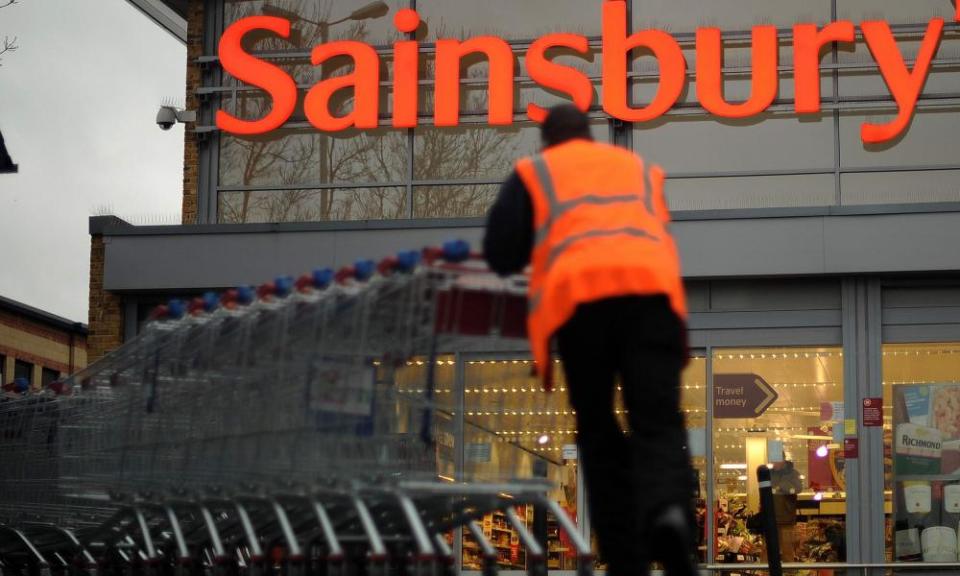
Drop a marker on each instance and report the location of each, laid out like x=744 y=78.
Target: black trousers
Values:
x=629 y=478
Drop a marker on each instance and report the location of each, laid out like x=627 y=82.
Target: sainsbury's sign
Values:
x=809 y=42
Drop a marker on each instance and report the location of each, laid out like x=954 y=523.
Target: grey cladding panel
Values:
x=220 y=260
x=185 y=258
x=782 y=294
x=698 y=296
x=887 y=243
x=728 y=248
x=922 y=297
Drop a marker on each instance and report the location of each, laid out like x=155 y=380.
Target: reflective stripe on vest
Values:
x=555 y=252
x=648 y=197
x=558 y=208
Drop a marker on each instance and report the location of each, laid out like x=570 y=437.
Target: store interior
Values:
x=510 y=424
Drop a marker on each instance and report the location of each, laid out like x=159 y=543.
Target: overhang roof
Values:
x=171 y=15
x=42 y=316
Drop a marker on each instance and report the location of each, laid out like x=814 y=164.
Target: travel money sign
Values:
x=809 y=43
x=741 y=396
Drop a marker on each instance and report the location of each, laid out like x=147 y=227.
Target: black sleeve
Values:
x=508 y=242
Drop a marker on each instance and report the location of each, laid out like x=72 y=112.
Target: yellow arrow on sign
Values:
x=771 y=396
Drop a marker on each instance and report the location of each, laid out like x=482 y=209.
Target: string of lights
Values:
x=909 y=382
x=763 y=430
x=777 y=355
x=534 y=389
x=527 y=413
x=923 y=352
x=791 y=410
x=774 y=384
x=719 y=356
x=533 y=432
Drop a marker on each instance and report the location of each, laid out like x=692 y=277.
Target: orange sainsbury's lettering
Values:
x=246 y=68
x=405 y=71
x=365 y=80
x=905 y=86
x=616 y=46
x=556 y=77
x=764 y=55
x=808 y=43
x=447 y=93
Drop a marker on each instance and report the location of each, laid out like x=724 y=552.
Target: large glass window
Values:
x=780 y=407
x=453 y=200
x=509 y=19
x=409 y=380
x=733 y=15
x=471 y=152
x=921 y=397
x=300 y=158
x=513 y=429
x=48 y=376
x=693 y=404
x=374 y=203
x=23 y=369
x=316 y=21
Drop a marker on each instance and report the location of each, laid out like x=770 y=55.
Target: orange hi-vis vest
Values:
x=600 y=221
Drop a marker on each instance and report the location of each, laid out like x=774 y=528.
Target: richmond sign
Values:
x=809 y=42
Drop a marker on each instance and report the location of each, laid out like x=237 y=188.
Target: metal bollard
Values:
x=768 y=514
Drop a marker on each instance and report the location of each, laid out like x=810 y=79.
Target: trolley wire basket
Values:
x=294 y=426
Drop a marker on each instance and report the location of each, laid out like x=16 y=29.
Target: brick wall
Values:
x=16 y=322
x=105 y=324
x=106 y=310
x=191 y=156
x=38 y=344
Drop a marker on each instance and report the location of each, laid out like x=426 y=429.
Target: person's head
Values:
x=564 y=122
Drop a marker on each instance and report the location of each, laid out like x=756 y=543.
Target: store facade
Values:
x=821 y=266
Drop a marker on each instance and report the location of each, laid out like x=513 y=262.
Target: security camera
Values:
x=166 y=117
x=169 y=115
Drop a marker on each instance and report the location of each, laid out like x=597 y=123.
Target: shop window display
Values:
x=782 y=408
x=512 y=428
x=693 y=404
x=921 y=389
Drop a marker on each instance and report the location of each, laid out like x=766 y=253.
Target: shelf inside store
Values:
x=927 y=478
x=829 y=507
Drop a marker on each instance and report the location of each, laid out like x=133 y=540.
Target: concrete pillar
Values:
x=7 y=370
x=36 y=379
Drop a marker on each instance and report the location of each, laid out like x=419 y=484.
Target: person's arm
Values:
x=508 y=242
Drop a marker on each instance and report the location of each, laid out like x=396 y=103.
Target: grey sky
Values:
x=77 y=108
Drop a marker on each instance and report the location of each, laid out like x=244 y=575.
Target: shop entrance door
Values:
x=781 y=408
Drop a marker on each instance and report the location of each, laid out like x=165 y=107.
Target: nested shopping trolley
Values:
x=293 y=428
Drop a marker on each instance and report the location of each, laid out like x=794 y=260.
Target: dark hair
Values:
x=564 y=122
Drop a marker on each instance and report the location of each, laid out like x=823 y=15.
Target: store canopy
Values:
x=171 y=15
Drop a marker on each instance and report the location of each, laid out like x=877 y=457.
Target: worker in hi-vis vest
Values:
x=605 y=283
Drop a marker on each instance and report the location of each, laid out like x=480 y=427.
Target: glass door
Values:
x=781 y=408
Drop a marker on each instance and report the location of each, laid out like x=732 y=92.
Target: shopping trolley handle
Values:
x=453 y=251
